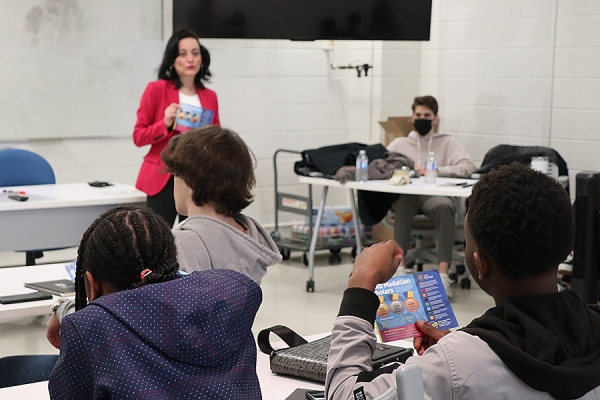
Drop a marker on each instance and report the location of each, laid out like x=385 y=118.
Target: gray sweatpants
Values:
x=440 y=210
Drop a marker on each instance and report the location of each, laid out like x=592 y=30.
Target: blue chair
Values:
x=24 y=168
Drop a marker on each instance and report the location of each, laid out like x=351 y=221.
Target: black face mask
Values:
x=423 y=126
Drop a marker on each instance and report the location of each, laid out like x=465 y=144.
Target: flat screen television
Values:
x=305 y=20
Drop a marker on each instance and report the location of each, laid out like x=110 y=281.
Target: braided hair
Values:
x=122 y=243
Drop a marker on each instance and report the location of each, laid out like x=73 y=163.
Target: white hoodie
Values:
x=451 y=156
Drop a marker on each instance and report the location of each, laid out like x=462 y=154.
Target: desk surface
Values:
x=442 y=186
x=70 y=195
x=273 y=387
x=56 y=216
x=12 y=280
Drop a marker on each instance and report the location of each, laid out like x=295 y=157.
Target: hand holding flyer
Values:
x=404 y=300
x=190 y=117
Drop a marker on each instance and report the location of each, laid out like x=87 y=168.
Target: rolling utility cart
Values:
x=301 y=205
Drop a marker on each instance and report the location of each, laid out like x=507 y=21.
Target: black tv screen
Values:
x=305 y=20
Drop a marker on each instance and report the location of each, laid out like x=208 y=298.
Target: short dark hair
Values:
x=427 y=101
x=216 y=164
x=523 y=219
x=166 y=70
x=119 y=245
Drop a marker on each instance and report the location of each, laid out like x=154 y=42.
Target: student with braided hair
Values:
x=115 y=249
x=142 y=330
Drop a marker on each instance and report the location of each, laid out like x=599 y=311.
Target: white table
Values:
x=278 y=387
x=56 y=216
x=273 y=387
x=11 y=282
x=37 y=391
x=442 y=187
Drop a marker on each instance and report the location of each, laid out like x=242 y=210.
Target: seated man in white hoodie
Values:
x=536 y=343
x=452 y=161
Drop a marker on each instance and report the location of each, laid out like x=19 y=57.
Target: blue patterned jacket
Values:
x=189 y=338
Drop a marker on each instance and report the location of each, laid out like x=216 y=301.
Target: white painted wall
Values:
x=490 y=66
x=275 y=94
x=281 y=94
x=494 y=66
x=576 y=101
x=518 y=72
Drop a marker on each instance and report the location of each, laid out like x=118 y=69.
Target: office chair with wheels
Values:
x=24 y=168
x=504 y=154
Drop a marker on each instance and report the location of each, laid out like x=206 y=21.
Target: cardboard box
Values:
x=398 y=127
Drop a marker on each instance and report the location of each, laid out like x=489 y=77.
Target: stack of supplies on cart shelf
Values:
x=334 y=216
x=329 y=236
x=337 y=227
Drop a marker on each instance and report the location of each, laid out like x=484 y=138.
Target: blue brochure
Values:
x=406 y=299
x=190 y=117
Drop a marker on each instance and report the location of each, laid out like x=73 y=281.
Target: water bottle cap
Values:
x=362 y=152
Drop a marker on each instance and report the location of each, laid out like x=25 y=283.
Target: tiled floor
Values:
x=285 y=302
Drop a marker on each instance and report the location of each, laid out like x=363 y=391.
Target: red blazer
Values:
x=150 y=129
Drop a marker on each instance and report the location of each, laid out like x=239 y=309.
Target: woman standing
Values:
x=181 y=77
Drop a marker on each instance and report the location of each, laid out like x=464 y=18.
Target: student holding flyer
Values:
x=179 y=90
x=536 y=343
x=406 y=299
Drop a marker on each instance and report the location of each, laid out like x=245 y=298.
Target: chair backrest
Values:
x=20 y=167
x=505 y=154
x=409 y=381
x=409 y=384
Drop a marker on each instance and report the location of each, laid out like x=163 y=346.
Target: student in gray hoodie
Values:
x=214 y=177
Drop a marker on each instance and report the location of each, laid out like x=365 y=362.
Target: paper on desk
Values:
x=71 y=268
x=406 y=299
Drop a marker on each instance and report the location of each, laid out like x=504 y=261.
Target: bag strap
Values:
x=290 y=337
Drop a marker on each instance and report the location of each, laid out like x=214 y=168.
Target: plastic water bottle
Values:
x=430 y=168
x=362 y=167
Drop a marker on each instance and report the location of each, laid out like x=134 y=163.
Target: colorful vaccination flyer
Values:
x=406 y=299
x=190 y=117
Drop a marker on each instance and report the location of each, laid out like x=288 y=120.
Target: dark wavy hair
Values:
x=216 y=164
x=427 y=101
x=119 y=245
x=166 y=70
x=523 y=219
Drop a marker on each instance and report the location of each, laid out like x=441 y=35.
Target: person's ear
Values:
x=436 y=120
x=93 y=287
x=481 y=265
